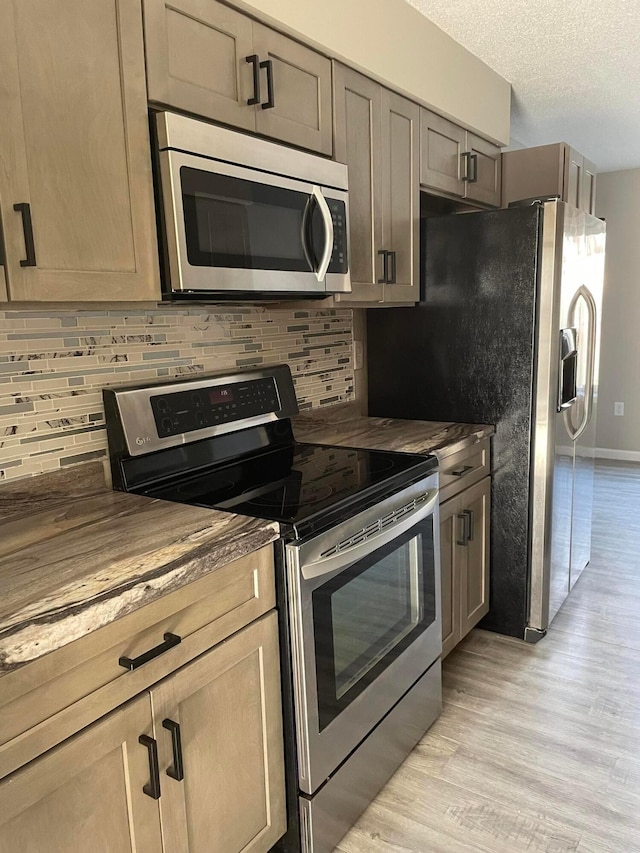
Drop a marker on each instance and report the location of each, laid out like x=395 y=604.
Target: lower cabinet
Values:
x=464 y=556
x=193 y=764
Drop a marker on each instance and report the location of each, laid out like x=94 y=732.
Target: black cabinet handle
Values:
x=385 y=271
x=471 y=167
x=170 y=640
x=176 y=771
x=458 y=472
x=27 y=226
x=469 y=516
x=152 y=788
x=254 y=59
x=392 y=266
x=270 y=102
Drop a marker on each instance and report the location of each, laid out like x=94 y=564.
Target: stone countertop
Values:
x=344 y=425
x=75 y=555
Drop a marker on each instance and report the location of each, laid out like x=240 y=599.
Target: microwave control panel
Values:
x=338 y=261
x=187 y=411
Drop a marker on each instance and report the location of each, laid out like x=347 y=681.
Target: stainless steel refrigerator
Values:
x=507 y=333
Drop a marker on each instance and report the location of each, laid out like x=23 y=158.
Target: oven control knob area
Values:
x=166 y=426
x=201 y=420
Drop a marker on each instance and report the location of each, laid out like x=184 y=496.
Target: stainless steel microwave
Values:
x=247 y=217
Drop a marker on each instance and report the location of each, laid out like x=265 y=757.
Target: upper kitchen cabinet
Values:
x=210 y=60
x=377 y=136
x=457 y=162
x=549 y=170
x=75 y=175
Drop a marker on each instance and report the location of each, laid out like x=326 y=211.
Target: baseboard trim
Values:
x=621 y=455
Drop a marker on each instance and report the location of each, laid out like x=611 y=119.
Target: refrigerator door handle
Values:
x=568 y=372
x=584 y=293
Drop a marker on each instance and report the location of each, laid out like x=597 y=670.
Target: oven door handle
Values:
x=351 y=553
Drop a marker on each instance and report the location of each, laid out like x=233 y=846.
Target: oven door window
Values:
x=239 y=224
x=367 y=615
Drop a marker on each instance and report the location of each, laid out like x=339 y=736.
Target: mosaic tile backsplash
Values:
x=53 y=365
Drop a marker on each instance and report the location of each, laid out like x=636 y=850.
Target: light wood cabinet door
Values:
x=401 y=196
x=449 y=575
x=588 y=189
x=464 y=560
x=474 y=586
x=196 y=52
x=378 y=137
x=86 y=794
x=358 y=142
x=441 y=146
x=201 y=58
x=547 y=170
x=299 y=81
x=574 y=163
x=228 y=707
x=486 y=166
x=75 y=171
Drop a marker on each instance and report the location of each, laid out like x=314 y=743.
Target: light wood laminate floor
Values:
x=538 y=747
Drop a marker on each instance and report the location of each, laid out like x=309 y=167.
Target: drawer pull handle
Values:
x=152 y=788
x=176 y=771
x=170 y=640
x=459 y=472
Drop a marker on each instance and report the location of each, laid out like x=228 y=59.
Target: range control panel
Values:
x=186 y=411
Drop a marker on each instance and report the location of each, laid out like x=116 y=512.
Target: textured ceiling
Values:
x=574 y=68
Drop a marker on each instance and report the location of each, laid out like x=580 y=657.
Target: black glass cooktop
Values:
x=298 y=483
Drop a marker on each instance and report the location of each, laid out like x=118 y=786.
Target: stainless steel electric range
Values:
x=357 y=574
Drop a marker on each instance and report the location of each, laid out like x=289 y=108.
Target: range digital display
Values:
x=220 y=395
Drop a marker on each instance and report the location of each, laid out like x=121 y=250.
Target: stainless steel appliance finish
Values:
x=249 y=227
x=357 y=575
x=508 y=333
x=133 y=406
x=326 y=817
x=315 y=563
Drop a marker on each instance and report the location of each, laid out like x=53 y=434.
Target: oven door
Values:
x=231 y=228
x=364 y=612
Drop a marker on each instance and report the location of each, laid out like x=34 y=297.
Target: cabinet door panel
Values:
x=227 y=704
x=196 y=59
x=87 y=793
x=487 y=187
x=588 y=193
x=358 y=143
x=450 y=575
x=76 y=149
x=441 y=146
x=401 y=202
x=573 y=178
x=475 y=585
x=301 y=89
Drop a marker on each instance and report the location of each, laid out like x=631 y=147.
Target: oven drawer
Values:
x=48 y=700
x=464 y=468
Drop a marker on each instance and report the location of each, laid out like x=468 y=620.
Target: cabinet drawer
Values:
x=46 y=701
x=463 y=469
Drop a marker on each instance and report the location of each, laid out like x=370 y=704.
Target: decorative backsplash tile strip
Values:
x=54 y=364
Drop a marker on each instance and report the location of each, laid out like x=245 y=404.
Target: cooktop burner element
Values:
x=163 y=446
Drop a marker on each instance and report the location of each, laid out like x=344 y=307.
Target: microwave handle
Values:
x=328 y=227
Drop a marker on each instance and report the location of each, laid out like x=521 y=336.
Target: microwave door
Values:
x=231 y=229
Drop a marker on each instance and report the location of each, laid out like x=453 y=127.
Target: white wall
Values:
x=393 y=42
x=618 y=201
